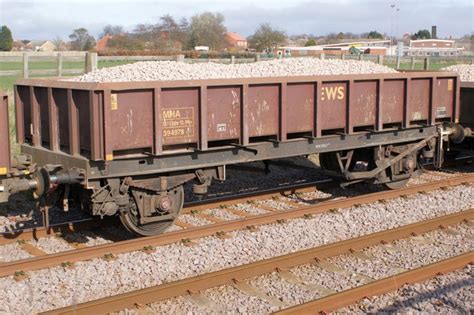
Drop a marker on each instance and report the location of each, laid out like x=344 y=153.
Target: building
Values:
x=41 y=45
x=101 y=44
x=432 y=47
x=373 y=47
x=234 y=40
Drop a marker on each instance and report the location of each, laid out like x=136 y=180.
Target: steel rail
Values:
x=87 y=223
x=345 y=298
x=239 y=273
x=82 y=254
x=40 y=231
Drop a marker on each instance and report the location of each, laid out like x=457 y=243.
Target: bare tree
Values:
x=59 y=43
x=112 y=30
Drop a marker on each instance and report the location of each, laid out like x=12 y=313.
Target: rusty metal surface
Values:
x=240 y=273
x=108 y=121
x=130 y=120
x=364 y=104
x=333 y=105
x=5 y=163
x=467 y=104
x=223 y=113
x=300 y=107
x=263 y=110
x=179 y=114
x=444 y=102
x=226 y=226
x=393 y=101
x=419 y=101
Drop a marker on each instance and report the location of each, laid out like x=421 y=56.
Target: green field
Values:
x=6 y=82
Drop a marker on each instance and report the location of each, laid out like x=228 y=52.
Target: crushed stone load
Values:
x=171 y=70
x=466 y=72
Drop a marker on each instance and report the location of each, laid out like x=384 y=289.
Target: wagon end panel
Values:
x=23 y=114
x=467 y=105
x=128 y=122
x=444 y=99
x=5 y=162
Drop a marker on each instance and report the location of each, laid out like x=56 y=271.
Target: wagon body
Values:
x=128 y=148
x=177 y=123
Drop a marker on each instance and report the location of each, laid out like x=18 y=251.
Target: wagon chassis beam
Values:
x=386 y=163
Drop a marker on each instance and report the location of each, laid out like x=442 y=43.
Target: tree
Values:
x=6 y=39
x=171 y=32
x=374 y=35
x=422 y=34
x=111 y=30
x=81 y=40
x=340 y=36
x=125 y=42
x=59 y=43
x=310 y=42
x=266 y=38
x=207 y=29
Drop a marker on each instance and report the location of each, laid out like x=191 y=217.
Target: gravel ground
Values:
x=253 y=210
x=51 y=245
x=87 y=238
x=466 y=72
x=221 y=214
x=280 y=293
x=410 y=253
x=275 y=204
x=135 y=270
x=171 y=70
x=11 y=252
x=289 y=294
x=447 y=294
x=194 y=220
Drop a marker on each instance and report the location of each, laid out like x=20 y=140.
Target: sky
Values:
x=49 y=19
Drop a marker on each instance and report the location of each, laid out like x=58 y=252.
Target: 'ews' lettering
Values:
x=332 y=92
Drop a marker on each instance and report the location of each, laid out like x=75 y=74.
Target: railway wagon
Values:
x=127 y=149
x=467 y=105
x=465 y=149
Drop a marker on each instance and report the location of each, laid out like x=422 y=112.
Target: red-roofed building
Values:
x=101 y=44
x=234 y=40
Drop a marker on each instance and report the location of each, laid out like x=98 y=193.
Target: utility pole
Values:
x=396 y=29
x=392 y=6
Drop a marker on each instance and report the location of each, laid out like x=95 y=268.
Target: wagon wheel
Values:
x=397 y=184
x=131 y=218
x=408 y=168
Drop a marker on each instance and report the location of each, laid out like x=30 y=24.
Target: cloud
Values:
x=46 y=19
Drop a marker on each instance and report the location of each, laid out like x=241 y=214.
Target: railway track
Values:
x=218 y=228
x=199 y=205
x=238 y=276
x=214 y=201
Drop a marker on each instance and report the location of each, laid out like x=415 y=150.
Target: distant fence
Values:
x=89 y=61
